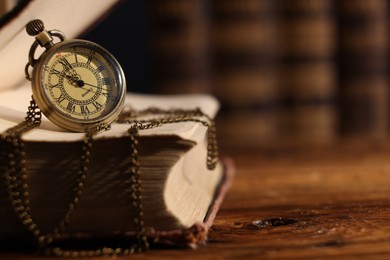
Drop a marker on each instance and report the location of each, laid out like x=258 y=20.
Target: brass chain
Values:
x=15 y=173
x=170 y=116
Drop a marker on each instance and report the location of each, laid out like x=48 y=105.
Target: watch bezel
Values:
x=49 y=109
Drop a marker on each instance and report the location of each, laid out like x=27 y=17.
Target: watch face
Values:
x=80 y=84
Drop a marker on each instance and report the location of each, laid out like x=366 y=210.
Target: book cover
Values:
x=363 y=68
x=179 y=46
x=245 y=71
x=308 y=85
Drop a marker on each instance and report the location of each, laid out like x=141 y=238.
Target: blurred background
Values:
x=288 y=73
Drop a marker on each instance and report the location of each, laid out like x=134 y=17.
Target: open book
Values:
x=178 y=189
x=180 y=195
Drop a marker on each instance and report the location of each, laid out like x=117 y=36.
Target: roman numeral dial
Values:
x=83 y=83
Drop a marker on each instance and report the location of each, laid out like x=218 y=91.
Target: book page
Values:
x=14 y=103
x=15 y=42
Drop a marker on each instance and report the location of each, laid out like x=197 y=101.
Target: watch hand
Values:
x=73 y=79
x=76 y=81
x=90 y=84
x=66 y=64
x=87 y=91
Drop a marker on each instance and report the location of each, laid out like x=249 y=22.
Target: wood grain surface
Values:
x=308 y=204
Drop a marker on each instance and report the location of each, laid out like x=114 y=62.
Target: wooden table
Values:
x=315 y=203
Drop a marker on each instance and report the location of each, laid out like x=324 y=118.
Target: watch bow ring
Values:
x=77 y=84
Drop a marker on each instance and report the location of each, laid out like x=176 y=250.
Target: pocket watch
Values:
x=77 y=84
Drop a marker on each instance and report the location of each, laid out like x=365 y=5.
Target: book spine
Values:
x=244 y=72
x=363 y=55
x=307 y=35
x=180 y=54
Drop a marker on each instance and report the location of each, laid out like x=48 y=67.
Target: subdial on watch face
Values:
x=80 y=83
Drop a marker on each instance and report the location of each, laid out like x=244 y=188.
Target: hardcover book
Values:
x=363 y=56
x=309 y=82
x=245 y=72
x=180 y=54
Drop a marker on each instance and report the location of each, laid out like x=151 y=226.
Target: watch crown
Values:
x=35 y=27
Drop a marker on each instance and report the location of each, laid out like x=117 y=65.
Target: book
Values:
x=179 y=46
x=308 y=89
x=178 y=190
x=180 y=194
x=363 y=69
x=15 y=43
x=6 y=6
x=245 y=72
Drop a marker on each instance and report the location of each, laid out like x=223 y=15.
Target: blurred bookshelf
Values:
x=288 y=73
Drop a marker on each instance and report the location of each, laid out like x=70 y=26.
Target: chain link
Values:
x=15 y=173
x=170 y=116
